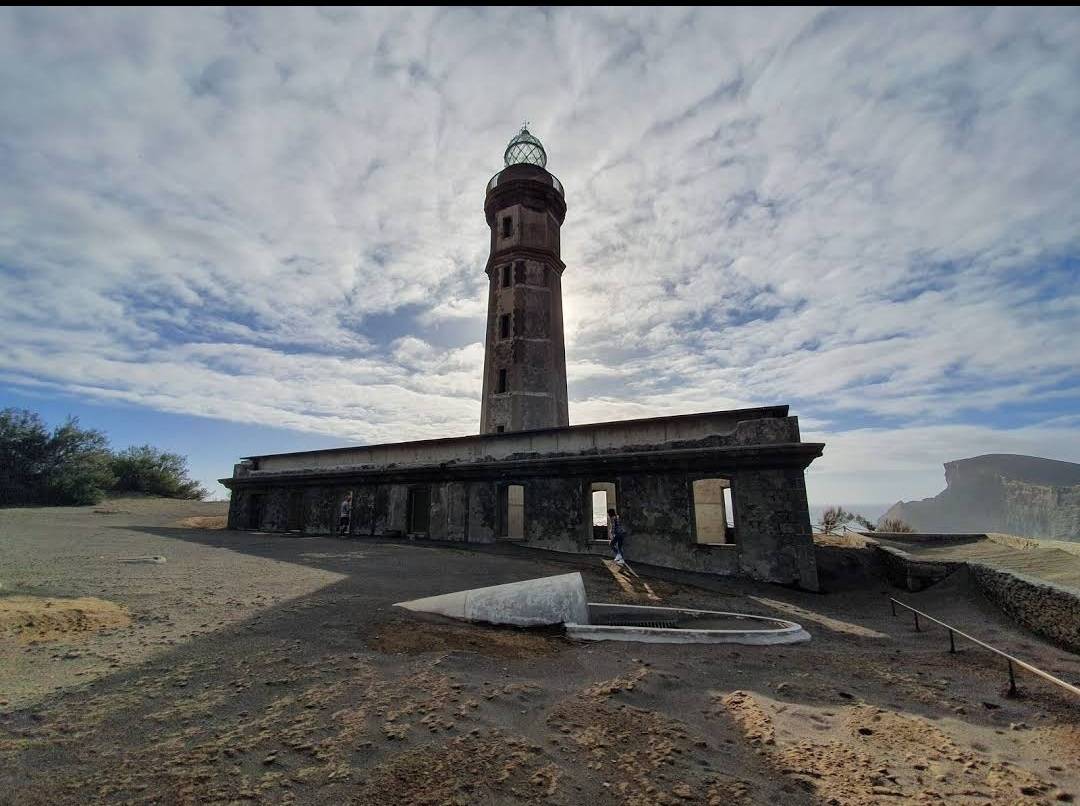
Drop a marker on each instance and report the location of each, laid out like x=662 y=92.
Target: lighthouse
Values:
x=524 y=356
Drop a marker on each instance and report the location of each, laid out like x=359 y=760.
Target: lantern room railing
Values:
x=555 y=183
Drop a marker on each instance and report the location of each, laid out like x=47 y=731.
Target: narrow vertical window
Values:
x=508 y=226
x=519 y=272
x=504 y=326
x=506 y=279
x=502 y=381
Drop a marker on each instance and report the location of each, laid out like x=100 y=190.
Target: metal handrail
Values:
x=1010 y=658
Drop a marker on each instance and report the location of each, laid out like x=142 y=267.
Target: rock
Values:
x=1019 y=495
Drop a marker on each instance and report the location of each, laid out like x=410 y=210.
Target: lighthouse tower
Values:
x=524 y=357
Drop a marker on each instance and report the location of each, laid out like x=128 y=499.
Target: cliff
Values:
x=1020 y=495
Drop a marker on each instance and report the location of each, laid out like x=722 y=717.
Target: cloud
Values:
x=275 y=215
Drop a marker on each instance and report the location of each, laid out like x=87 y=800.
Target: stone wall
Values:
x=772 y=539
x=1044 y=608
x=904 y=571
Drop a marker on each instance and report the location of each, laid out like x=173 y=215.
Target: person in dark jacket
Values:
x=346 y=515
x=616 y=535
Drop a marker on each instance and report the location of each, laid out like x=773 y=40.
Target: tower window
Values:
x=504 y=326
x=519 y=272
x=547 y=277
x=508 y=226
x=502 y=381
x=500 y=429
x=507 y=279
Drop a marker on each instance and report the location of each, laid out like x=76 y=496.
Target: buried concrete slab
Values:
x=533 y=602
x=674 y=625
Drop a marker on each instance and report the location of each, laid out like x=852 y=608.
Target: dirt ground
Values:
x=269 y=669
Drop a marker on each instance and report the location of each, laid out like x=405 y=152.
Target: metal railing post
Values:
x=952 y=643
x=1012 y=681
x=916 y=612
x=892 y=604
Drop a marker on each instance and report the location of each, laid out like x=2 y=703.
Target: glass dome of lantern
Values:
x=524 y=148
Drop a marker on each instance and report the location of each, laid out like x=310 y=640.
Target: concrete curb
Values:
x=787 y=633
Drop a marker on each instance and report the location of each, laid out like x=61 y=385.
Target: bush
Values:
x=73 y=465
x=68 y=466
x=835 y=517
x=894 y=525
x=146 y=469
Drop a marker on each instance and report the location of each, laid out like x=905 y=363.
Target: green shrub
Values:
x=68 y=466
x=73 y=465
x=146 y=469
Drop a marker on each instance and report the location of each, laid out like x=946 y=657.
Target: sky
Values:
x=246 y=231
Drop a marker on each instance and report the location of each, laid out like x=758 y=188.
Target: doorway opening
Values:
x=419 y=520
x=603 y=499
x=255 y=511
x=295 y=518
x=512 y=512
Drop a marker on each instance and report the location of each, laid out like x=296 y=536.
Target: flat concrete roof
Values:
x=758 y=413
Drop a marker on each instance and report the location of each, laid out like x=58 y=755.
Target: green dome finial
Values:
x=525 y=148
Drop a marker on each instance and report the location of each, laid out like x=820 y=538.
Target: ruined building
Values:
x=719 y=492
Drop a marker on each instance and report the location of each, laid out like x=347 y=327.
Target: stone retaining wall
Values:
x=1043 y=607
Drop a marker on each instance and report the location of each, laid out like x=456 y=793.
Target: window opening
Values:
x=502 y=381
x=713 y=514
x=603 y=499
x=506 y=279
x=504 y=326
x=508 y=224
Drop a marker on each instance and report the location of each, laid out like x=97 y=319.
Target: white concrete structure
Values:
x=533 y=602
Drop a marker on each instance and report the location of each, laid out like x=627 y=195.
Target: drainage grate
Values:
x=677 y=621
x=613 y=620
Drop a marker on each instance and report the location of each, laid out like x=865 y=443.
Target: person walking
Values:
x=616 y=535
x=346 y=515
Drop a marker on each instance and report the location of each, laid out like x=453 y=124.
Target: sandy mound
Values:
x=36 y=618
x=419 y=637
x=205 y=522
x=867 y=756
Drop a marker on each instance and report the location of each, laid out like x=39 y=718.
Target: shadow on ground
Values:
x=335 y=696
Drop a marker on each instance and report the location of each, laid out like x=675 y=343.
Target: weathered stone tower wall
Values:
x=525 y=358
